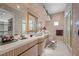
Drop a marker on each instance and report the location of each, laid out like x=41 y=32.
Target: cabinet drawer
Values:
x=17 y=51
x=31 y=52
x=27 y=53
x=32 y=44
x=21 y=49
x=10 y=53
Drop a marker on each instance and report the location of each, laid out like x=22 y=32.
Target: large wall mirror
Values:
x=32 y=23
x=6 y=22
x=29 y=23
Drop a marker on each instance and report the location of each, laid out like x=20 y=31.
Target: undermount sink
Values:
x=0 y=49
x=38 y=34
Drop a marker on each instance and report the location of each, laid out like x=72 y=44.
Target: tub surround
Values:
x=24 y=46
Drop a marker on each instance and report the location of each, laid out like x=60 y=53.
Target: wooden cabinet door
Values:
x=31 y=52
x=40 y=48
x=10 y=53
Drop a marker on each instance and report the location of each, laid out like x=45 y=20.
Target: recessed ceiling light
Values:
x=3 y=13
x=56 y=23
x=18 y=6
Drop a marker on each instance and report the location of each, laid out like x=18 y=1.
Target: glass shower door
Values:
x=68 y=29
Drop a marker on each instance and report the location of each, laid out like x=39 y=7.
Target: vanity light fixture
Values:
x=56 y=23
x=18 y=6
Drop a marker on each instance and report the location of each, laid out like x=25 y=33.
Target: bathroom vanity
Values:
x=33 y=46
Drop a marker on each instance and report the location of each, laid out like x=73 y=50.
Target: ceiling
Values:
x=53 y=8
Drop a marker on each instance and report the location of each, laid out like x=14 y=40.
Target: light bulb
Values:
x=18 y=6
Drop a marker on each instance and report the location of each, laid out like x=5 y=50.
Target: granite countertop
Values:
x=8 y=47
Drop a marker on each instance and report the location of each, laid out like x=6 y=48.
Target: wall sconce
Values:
x=18 y=6
x=56 y=23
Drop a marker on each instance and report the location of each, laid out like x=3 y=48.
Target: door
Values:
x=68 y=29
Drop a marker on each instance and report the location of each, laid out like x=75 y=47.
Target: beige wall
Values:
x=74 y=29
x=75 y=37
x=52 y=29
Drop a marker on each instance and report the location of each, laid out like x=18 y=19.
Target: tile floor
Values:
x=59 y=49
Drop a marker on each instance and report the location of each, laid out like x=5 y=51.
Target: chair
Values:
x=50 y=41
